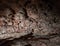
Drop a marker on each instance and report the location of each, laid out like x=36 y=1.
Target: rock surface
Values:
x=33 y=23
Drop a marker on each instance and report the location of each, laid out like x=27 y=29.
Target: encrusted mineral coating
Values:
x=17 y=20
x=29 y=23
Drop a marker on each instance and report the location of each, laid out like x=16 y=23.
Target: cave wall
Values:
x=29 y=23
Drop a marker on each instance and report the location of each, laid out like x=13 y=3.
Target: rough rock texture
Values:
x=29 y=23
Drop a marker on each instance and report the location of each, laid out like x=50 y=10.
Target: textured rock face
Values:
x=36 y=21
x=34 y=17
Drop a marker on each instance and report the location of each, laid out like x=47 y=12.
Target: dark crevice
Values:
x=54 y=20
x=12 y=10
x=27 y=2
x=45 y=14
x=28 y=45
x=26 y=16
